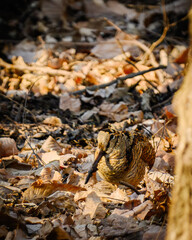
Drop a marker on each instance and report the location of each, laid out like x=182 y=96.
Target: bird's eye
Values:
x=112 y=137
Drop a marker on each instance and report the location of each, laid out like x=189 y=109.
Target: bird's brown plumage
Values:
x=123 y=156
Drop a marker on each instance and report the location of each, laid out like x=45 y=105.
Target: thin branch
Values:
x=46 y=70
x=40 y=161
x=117 y=80
x=132 y=63
x=148 y=52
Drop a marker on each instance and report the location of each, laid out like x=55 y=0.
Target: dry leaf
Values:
x=183 y=57
x=120 y=9
x=55 y=121
x=160 y=164
x=15 y=162
x=119 y=195
x=88 y=114
x=61 y=234
x=67 y=158
x=170 y=159
x=81 y=230
x=116 y=226
x=69 y=102
x=40 y=190
x=110 y=48
x=47 y=175
x=51 y=144
x=140 y=211
x=8 y=147
x=94 y=206
x=50 y=156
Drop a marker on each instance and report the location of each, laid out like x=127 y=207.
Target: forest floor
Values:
x=63 y=81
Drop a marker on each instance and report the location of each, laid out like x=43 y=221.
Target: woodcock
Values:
x=122 y=156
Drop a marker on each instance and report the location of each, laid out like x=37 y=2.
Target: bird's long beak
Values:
x=94 y=166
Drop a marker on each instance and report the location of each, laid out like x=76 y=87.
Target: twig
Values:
x=40 y=161
x=161 y=137
x=47 y=70
x=26 y=97
x=119 y=79
x=132 y=63
x=158 y=105
x=163 y=35
x=113 y=24
x=155 y=44
x=140 y=45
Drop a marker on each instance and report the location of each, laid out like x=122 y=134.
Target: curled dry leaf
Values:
x=80 y=229
x=88 y=114
x=69 y=102
x=169 y=111
x=8 y=147
x=15 y=162
x=116 y=112
x=110 y=48
x=24 y=182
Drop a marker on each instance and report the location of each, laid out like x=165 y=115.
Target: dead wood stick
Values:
x=47 y=70
x=96 y=87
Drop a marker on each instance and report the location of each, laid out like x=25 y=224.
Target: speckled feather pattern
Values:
x=126 y=156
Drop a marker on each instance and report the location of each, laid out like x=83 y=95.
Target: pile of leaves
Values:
x=51 y=112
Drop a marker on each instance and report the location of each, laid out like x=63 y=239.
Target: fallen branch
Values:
x=46 y=70
x=117 y=80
